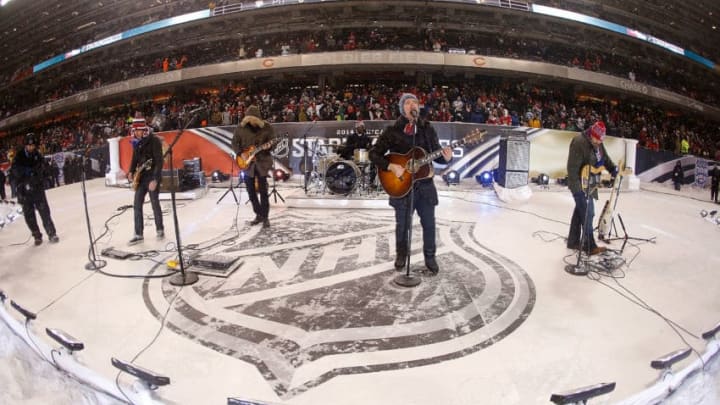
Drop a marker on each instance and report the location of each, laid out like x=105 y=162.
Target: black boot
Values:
x=257 y=220
x=432 y=265
x=400 y=260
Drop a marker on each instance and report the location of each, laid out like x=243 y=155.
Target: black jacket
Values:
x=582 y=153
x=29 y=170
x=394 y=139
x=149 y=147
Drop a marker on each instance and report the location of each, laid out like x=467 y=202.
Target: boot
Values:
x=400 y=260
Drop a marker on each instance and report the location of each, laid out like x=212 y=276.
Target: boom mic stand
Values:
x=184 y=277
x=94 y=263
x=407 y=279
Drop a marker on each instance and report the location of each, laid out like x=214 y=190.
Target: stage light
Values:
x=485 y=179
x=69 y=342
x=703 y=213
x=581 y=395
x=280 y=175
x=29 y=316
x=706 y=335
x=451 y=177
x=543 y=179
x=218 y=176
x=666 y=361
x=151 y=379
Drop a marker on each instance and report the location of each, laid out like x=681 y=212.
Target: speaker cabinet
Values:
x=514 y=161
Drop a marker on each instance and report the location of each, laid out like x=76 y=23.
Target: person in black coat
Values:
x=714 y=182
x=357 y=140
x=2 y=185
x=29 y=171
x=147 y=163
x=678 y=175
x=398 y=138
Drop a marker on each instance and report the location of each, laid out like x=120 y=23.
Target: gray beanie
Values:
x=403 y=98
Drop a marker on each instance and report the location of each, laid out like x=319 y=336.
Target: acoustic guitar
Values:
x=608 y=210
x=251 y=151
x=138 y=173
x=417 y=162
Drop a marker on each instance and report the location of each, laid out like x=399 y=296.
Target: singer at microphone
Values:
x=409 y=140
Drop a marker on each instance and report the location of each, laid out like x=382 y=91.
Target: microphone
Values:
x=124 y=207
x=414 y=113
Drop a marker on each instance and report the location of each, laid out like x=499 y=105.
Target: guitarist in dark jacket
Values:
x=29 y=171
x=253 y=131
x=147 y=163
x=398 y=138
x=586 y=151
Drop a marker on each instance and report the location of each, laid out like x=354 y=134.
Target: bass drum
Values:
x=342 y=177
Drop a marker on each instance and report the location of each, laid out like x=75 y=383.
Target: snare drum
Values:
x=361 y=156
x=342 y=177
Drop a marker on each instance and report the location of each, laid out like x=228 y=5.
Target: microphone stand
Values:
x=94 y=263
x=407 y=279
x=184 y=277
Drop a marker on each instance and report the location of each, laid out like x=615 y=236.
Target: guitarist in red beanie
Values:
x=587 y=157
x=250 y=135
x=398 y=138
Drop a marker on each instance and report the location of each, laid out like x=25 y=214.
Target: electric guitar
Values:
x=416 y=161
x=138 y=173
x=250 y=152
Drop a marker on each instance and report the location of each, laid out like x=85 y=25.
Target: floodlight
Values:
x=543 y=179
x=280 y=174
x=451 y=177
x=485 y=179
x=706 y=335
x=581 y=395
x=218 y=176
x=666 y=361
x=65 y=339
x=151 y=379
x=29 y=316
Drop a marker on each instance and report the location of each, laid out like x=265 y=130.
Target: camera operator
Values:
x=30 y=171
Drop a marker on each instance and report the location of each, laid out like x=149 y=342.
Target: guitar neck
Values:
x=434 y=155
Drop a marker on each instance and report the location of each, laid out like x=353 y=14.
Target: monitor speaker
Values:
x=514 y=161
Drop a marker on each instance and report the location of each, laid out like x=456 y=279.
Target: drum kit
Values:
x=332 y=174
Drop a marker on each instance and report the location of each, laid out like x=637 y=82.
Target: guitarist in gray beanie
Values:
x=398 y=139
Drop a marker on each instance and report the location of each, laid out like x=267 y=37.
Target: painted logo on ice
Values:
x=317 y=287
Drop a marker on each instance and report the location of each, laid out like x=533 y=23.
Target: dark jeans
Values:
x=140 y=193
x=581 y=224
x=261 y=207
x=425 y=207
x=714 y=194
x=37 y=201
